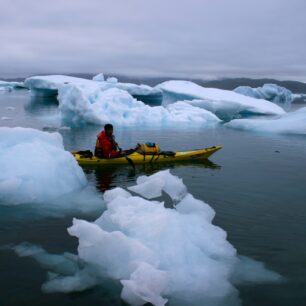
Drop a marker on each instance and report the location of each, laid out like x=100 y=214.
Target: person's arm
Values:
x=108 y=150
x=115 y=153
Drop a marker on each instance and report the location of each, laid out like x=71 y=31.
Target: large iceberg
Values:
x=9 y=86
x=35 y=168
x=49 y=85
x=269 y=92
x=290 y=123
x=156 y=253
x=225 y=104
x=79 y=105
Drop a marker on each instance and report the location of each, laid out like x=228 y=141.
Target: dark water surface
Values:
x=256 y=184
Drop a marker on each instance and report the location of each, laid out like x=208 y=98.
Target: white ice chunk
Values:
x=290 y=123
x=152 y=186
x=158 y=253
x=50 y=85
x=55 y=82
x=269 y=92
x=35 y=167
x=146 y=284
x=98 y=248
x=79 y=106
x=110 y=195
x=225 y=104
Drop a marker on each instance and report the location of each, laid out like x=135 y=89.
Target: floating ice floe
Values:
x=290 y=123
x=50 y=84
x=225 y=104
x=269 y=92
x=79 y=106
x=156 y=253
x=9 y=86
x=35 y=168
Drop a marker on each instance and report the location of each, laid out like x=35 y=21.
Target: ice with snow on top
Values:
x=289 y=123
x=50 y=85
x=35 y=168
x=156 y=253
x=79 y=106
x=225 y=104
x=269 y=92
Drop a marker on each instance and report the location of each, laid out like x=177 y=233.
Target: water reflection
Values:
x=40 y=105
x=108 y=177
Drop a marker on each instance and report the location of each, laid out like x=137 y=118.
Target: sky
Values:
x=206 y=39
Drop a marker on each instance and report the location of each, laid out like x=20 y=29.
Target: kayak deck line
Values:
x=139 y=158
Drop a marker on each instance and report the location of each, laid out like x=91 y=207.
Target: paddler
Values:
x=106 y=146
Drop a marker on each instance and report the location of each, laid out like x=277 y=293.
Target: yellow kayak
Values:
x=139 y=158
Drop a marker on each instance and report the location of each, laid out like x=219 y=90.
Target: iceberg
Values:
x=99 y=77
x=300 y=96
x=50 y=85
x=156 y=253
x=9 y=86
x=112 y=80
x=79 y=106
x=225 y=104
x=132 y=89
x=269 y=92
x=35 y=168
x=290 y=123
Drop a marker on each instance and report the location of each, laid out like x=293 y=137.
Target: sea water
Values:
x=256 y=185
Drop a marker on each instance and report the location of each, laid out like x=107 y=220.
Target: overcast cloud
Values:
x=183 y=38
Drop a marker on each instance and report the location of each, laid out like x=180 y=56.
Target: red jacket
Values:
x=107 y=146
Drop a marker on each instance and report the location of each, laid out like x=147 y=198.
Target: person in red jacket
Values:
x=106 y=146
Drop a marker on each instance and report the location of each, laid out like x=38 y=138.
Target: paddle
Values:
x=126 y=157
x=130 y=161
x=124 y=153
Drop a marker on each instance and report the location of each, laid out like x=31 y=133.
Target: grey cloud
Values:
x=195 y=38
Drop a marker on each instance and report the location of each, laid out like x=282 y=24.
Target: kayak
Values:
x=138 y=158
